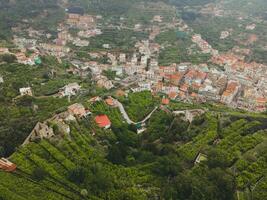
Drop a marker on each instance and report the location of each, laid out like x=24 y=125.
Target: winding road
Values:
x=125 y=115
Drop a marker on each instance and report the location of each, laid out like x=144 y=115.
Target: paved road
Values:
x=123 y=112
x=150 y=114
x=125 y=115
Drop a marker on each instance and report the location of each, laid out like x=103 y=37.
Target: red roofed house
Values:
x=230 y=92
x=173 y=95
x=184 y=88
x=182 y=95
x=167 y=69
x=103 y=121
x=7 y=165
x=261 y=104
x=109 y=101
x=78 y=110
x=159 y=86
x=94 y=99
x=165 y=101
x=176 y=78
x=190 y=74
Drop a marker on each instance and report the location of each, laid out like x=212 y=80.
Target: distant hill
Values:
x=17 y=11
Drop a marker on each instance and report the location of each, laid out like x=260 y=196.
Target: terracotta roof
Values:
x=193 y=94
x=201 y=75
x=231 y=87
x=191 y=74
x=172 y=95
x=120 y=93
x=176 y=77
x=184 y=87
x=261 y=100
x=7 y=165
x=102 y=121
x=77 y=109
x=165 y=101
x=94 y=99
x=196 y=86
x=182 y=94
x=109 y=101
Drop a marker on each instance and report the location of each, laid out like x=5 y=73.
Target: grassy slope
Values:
x=243 y=147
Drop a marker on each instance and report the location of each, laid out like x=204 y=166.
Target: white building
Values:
x=118 y=70
x=122 y=58
x=25 y=91
x=69 y=90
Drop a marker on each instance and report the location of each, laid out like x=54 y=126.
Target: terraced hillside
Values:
x=56 y=171
x=159 y=163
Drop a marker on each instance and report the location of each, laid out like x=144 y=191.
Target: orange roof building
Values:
x=165 y=101
x=120 y=93
x=173 y=95
x=230 y=92
x=78 y=110
x=184 y=87
x=261 y=100
x=95 y=99
x=7 y=166
x=194 y=95
x=103 y=121
x=182 y=95
x=176 y=78
x=109 y=101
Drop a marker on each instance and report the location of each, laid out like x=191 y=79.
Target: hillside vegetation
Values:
x=118 y=164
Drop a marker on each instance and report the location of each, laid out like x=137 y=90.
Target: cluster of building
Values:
x=81 y=21
x=244 y=89
x=248 y=79
x=86 y=24
x=203 y=45
x=240 y=85
x=58 y=125
x=33 y=58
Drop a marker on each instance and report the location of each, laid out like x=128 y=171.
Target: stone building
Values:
x=40 y=131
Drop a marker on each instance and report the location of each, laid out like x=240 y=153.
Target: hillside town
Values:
x=227 y=78
x=136 y=100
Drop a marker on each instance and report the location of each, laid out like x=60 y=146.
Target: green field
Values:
x=118 y=164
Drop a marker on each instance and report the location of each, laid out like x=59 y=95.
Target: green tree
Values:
x=8 y=58
x=77 y=175
x=39 y=174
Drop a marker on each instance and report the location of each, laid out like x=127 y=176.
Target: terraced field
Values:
x=118 y=164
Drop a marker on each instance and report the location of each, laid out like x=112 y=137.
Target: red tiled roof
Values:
x=165 y=101
x=109 y=101
x=193 y=94
x=231 y=87
x=176 y=77
x=120 y=93
x=182 y=94
x=94 y=99
x=102 y=121
x=201 y=75
x=7 y=165
x=191 y=74
x=196 y=86
x=172 y=95
x=184 y=87
x=261 y=100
